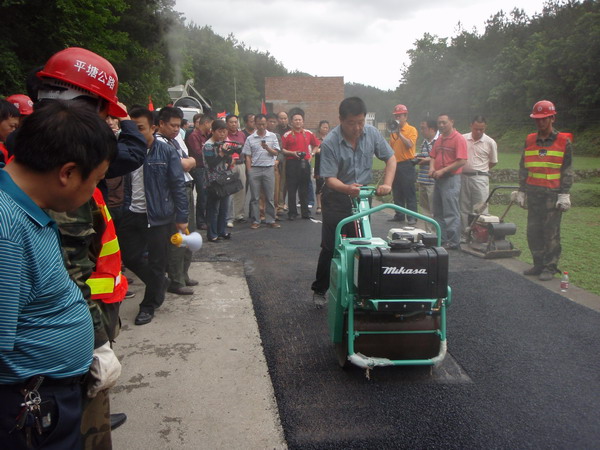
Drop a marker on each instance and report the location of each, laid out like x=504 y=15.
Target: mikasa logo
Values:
x=402 y=271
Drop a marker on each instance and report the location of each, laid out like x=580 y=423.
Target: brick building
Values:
x=319 y=97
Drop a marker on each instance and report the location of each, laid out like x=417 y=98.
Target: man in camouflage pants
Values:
x=66 y=76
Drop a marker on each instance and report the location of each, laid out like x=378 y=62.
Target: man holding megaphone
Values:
x=155 y=198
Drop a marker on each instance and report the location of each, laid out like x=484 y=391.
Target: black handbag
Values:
x=225 y=183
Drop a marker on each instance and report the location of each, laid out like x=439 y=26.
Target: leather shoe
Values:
x=395 y=219
x=319 y=299
x=116 y=420
x=143 y=318
x=181 y=290
x=546 y=275
x=533 y=271
x=191 y=282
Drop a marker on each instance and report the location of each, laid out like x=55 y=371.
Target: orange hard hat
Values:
x=22 y=102
x=543 y=108
x=87 y=71
x=400 y=109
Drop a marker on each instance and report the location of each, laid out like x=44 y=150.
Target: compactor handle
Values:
x=367 y=191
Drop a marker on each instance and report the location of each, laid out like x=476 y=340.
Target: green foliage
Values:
x=380 y=102
x=147 y=41
x=515 y=62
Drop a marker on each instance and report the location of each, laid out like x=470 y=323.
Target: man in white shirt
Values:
x=260 y=150
x=475 y=180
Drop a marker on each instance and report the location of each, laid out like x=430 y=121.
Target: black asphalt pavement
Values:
x=523 y=369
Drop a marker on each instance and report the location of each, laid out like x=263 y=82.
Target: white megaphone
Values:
x=193 y=241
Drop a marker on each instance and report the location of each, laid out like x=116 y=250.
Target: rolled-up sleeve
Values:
x=383 y=151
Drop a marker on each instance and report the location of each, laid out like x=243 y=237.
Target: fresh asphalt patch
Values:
x=522 y=371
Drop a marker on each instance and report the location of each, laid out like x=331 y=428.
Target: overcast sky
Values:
x=365 y=41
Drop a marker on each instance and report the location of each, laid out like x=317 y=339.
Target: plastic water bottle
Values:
x=564 y=282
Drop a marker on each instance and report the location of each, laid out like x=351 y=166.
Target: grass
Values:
x=579 y=239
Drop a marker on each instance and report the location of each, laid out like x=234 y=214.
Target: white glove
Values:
x=520 y=198
x=104 y=371
x=564 y=202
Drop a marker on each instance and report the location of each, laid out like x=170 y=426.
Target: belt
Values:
x=472 y=174
x=47 y=382
x=263 y=166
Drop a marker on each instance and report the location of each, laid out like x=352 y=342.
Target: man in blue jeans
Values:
x=449 y=154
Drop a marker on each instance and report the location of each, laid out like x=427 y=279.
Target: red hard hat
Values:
x=400 y=109
x=543 y=108
x=22 y=102
x=88 y=71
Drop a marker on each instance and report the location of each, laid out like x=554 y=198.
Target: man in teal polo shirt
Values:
x=46 y=332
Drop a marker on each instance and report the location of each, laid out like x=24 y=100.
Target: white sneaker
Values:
x=230 y=224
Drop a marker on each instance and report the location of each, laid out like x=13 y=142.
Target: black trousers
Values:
x=404 y=189
x=201 y=195
x=543 y=229
x=64 y=405
x=336 y=207
x=297 y=177
x=135 y=238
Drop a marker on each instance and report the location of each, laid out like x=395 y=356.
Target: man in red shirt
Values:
x=296 y=149
x=449 y=154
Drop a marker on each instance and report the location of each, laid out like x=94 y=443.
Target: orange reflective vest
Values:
x=107 y=283
x=544 y=163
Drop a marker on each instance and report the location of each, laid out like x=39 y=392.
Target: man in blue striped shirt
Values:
x=61 y=153
x=426 y=184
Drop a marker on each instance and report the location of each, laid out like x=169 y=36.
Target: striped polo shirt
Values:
x=45 y=324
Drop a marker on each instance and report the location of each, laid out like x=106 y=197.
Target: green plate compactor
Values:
x=387 y=299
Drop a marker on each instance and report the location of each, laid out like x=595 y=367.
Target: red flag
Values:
x=150 y=104
x=263 y=108
x=222 y=115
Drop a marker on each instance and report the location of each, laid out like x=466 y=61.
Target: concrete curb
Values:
x=196 y=376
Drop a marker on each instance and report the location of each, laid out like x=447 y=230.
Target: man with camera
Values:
x=260 y=150
x=237 y=201
x=296 y=144
x=403 y=141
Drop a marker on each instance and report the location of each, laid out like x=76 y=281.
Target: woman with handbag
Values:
x=217 y=161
